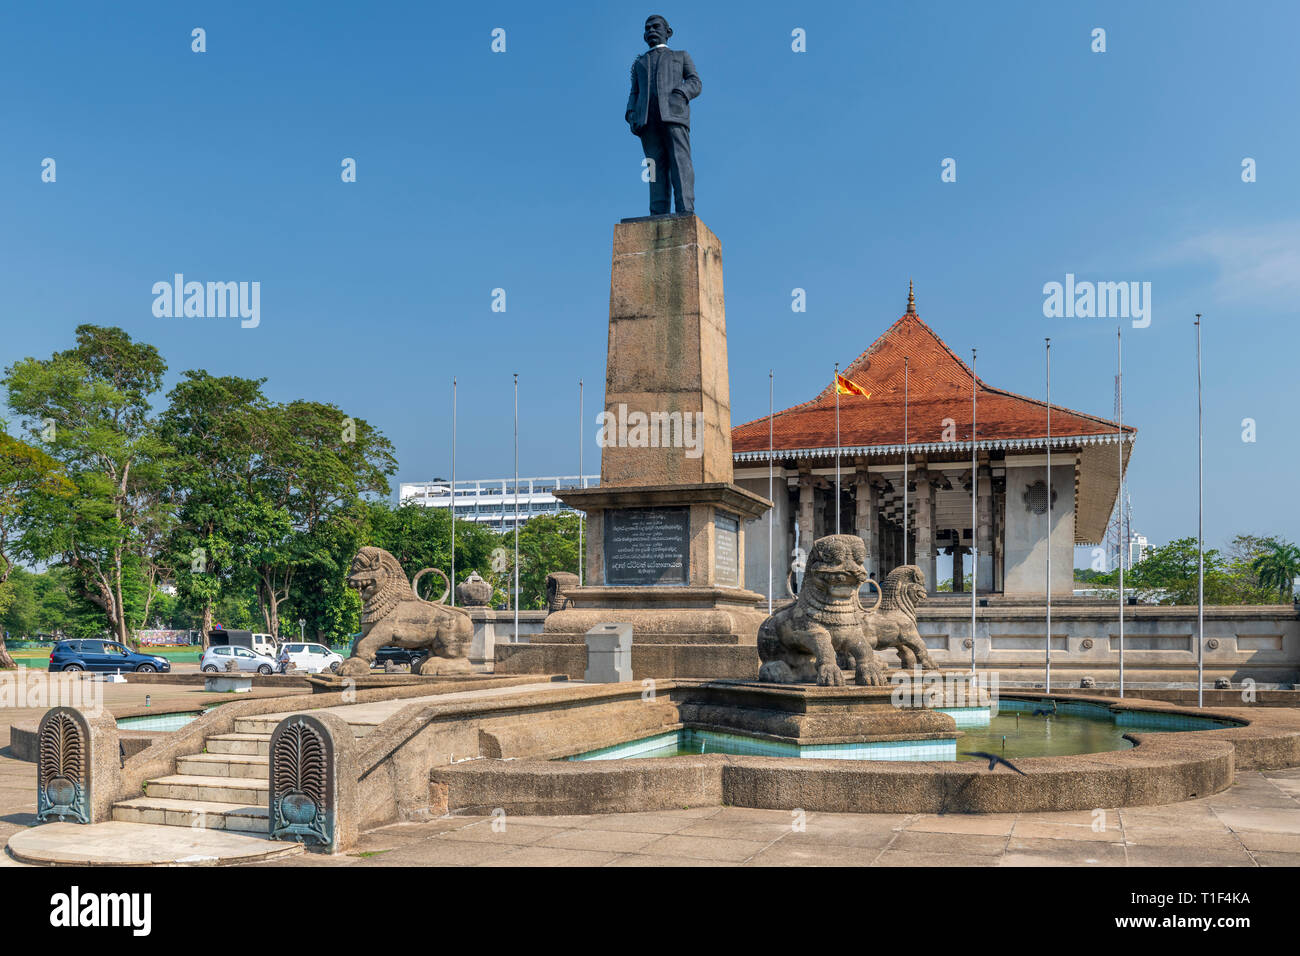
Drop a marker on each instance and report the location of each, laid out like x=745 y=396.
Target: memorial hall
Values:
x=913 y=426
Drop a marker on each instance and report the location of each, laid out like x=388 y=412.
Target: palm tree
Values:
x=1278 y=568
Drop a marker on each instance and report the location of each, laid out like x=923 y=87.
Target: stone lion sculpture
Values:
x=393 y=615
x=802 y=643
x=894 y=623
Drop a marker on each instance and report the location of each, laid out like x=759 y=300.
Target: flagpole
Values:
x=516 y=597
x=453 y=492
x=581 y=484
x=837 y=447
x=1200 y=529
x=974 y=518
x=1123 y=539
x=770 y=489
x=1048 y=676
x=905 y=515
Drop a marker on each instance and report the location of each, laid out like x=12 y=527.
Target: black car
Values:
x=105 y=657
x=399 y=655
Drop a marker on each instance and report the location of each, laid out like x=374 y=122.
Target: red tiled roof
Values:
x=939 y=387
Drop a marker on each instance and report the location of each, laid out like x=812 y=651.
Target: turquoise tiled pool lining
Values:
x=690 y=741
x=1132 y=719
x=967 y=716
x=158 y=722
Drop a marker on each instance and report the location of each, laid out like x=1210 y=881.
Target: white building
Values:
x=1137 y=548
x=493 y=501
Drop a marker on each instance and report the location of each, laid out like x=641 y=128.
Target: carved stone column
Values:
x=925 y=530
x=984 y=530
x=806 y=506
x=866 y=520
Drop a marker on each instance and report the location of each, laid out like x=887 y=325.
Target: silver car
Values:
x=215 y=659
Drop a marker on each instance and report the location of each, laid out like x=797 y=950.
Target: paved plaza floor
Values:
x=1255 y=823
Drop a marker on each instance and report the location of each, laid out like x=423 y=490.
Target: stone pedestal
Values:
x=808 y=715
x=609 y=654
x=665 y=535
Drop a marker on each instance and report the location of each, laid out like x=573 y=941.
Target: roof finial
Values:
x=911 y=299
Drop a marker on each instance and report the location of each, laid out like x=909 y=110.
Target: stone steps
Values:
x=257 y=726
x=263 y=725
x=226 y=787
x=245 y=791
x=203 y=814
x=251 y=745
x=224 y=765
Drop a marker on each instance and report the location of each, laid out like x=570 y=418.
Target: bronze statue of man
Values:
x=664 y=82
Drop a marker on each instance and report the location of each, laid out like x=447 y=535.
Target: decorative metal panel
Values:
x=63 y=767
x=302 y=781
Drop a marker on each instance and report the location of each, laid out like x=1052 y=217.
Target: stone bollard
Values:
x=232 y=667
x=78 y=766
x=313 y=794
x=609 y=654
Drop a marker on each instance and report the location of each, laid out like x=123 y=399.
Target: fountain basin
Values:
x=1008 y=727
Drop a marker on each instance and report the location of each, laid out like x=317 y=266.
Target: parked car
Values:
x=214 y=660
x=399 y=655
x=104 y=657
x=312 y=658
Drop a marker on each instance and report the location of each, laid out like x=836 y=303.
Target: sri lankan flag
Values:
x=846 y=386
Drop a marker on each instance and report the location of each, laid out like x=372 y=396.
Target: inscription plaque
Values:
x=726 y=549
x=645 y=546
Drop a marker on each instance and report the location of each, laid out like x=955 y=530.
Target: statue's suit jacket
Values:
x=675 y=86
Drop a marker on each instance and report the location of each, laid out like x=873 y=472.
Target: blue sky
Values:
x=818 y=170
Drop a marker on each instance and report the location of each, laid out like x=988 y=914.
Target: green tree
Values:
x=420 y=537
x=320 y=463
x=1172 y=569
x=18 y=606
x=221 y=429
x=25 y=472
x=546 y=543
x=1278 y=568
x=88 y=409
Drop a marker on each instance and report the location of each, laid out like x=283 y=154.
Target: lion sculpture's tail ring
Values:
x=445 y=580
x=880 y=595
